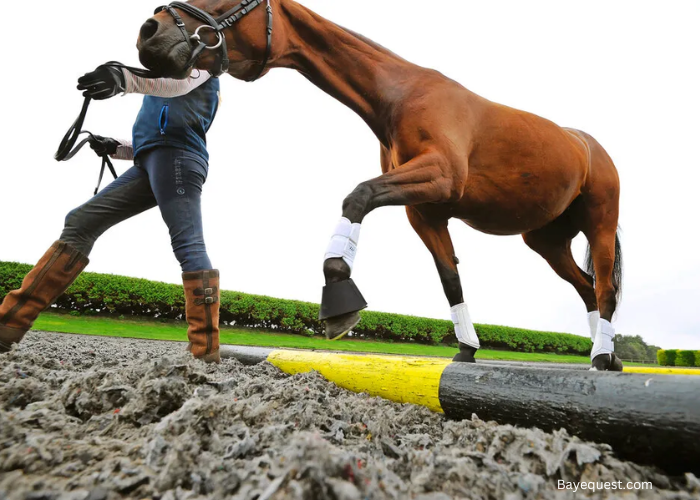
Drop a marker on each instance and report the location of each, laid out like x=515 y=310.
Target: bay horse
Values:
x=446 y=153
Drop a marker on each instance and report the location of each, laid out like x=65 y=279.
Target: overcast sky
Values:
x=284 y=154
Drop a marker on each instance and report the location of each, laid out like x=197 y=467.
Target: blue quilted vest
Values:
x=177 y=122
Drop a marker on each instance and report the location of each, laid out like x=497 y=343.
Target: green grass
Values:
x=144 y=328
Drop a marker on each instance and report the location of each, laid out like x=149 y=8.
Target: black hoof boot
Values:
x=340 y=326
x=340 y=308
x=466 y=354
x=606 y=363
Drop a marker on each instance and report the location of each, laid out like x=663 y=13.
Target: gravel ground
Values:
x=85 y=418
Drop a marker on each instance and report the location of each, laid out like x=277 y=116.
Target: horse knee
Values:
x=357 y=204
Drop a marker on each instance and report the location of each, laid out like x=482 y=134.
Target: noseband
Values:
x=218 y=25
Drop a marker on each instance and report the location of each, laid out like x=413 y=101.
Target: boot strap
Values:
x=206 y=300
x=205 y=291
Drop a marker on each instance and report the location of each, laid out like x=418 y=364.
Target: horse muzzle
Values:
x=163 y=51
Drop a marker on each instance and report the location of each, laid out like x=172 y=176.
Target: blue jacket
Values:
x=178 y=122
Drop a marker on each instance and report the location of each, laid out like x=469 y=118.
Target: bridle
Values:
x=218 y=25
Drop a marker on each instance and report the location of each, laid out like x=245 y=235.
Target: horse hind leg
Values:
x=553 y=243
x=601 y=195
x=436 y=237
x=605 y=256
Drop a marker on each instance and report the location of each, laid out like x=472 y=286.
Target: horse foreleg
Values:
x=436 y=237
x=424 y=179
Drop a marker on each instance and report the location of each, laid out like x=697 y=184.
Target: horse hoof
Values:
x=339 y=326
x=606 y=363
x=466 y=354
x=616 y=365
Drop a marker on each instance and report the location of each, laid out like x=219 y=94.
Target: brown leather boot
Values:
x=202 y=309
x=45 y=283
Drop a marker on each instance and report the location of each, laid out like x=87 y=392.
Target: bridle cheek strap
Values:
x=196 y=52
x=178 y=22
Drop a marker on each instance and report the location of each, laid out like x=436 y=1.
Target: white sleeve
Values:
x=125 y=151
x=163 y=87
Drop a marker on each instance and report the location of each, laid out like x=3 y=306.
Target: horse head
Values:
x=230 y=36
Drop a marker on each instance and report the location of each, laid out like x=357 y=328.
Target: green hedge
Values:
x=661 y=357
x=671 y=357
x=676 y=357
x=685 y=358
x=94 y=293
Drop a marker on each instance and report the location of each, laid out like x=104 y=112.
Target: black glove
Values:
x=103 y=83
x=103 y=145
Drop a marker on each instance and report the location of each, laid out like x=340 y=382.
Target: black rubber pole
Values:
x=247 y=355
x=649 y=419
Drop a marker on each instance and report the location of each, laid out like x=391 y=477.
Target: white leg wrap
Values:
x=344 y=242
x=464 y=328
x=593 y=318
x=603 y=343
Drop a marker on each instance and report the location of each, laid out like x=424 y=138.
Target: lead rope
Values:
x=67 y=149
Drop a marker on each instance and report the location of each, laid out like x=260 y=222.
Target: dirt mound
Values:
x=85 y=418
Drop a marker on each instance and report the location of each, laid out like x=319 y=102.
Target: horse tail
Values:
x=617 y=267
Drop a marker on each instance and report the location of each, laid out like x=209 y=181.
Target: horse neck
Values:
x=345 y=65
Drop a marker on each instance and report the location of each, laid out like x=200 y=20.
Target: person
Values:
x=169 y=152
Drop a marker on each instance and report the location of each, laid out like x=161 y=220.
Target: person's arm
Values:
x=109 y=80
x=163 y=87
x=125 y=151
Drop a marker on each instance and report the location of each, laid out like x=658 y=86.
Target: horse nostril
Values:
x=149 y=29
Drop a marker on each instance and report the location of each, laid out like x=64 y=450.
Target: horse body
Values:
x=445 y=152
x=510 y=172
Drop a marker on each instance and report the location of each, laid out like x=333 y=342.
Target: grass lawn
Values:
x=176 y=330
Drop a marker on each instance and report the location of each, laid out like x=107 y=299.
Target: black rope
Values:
x=68 y=148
